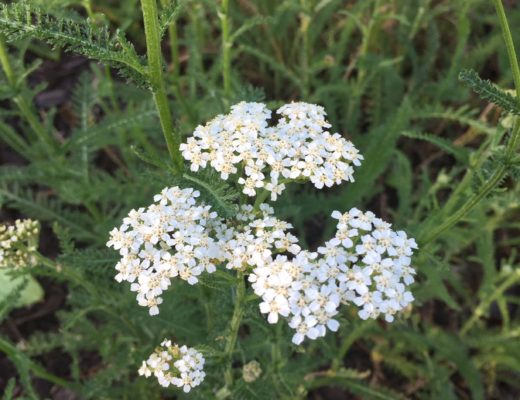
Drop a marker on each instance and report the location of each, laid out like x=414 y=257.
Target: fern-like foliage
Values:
x=21 y=20
x=440 y=142
x=168 y=15
x=214 y=191
x=463 y=115
x=98 y=135
x=487 y=90
x=496 y=160
x=84 y=98
x=40 y=206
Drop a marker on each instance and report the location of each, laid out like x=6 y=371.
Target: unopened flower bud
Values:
x=251 y=371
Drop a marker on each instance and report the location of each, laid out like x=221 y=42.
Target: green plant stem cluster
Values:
x=511 y=148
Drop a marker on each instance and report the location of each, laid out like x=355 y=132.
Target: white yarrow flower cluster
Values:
x=298 y=147
x=18 y=243
x=168 y=239
x=256 y=240
x=173 y=365
x=366 y=264
x=380 y=264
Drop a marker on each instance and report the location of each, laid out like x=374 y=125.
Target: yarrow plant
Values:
x=366 y=264
x=231 y=250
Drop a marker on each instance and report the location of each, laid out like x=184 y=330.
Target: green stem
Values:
x=260 y=198
x=155 y=70
x=236 y=319
x=367 y=38
x=513 y=61
x=14 y=354
x=23 y=105
x=481 y=308
x=176 y=68
x=466 y=207
x=305 y=20
x=358 y=331
x=6 y=64
x=226 y=48
x=511 y=147
x=508 y=39
x=276 y=359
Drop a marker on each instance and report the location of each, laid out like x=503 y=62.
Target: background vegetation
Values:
x=81 y=144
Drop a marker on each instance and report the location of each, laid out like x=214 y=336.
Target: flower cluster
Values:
x=380 y=261
x=255 y=239
x=173 y=365
x=18 y=243
x=366 y=263
x=297 y=148
x=168 y=239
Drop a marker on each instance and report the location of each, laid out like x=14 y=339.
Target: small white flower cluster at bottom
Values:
x=173 y=365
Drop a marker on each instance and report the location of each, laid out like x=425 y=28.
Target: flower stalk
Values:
x=236 y=319
x=155 y=74
x=226 y=48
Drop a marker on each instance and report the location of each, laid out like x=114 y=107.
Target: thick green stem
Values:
x=513 y=61
x=155 y=73
x=176 y=68
x=226 y=48
x=236 y=319
x=510 y=46
x=260 y=199
x=23 y=105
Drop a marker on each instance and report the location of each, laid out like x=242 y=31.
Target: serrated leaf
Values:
x=169 y=15
x=487 y=90
x=216 y=192
x=23 y=20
